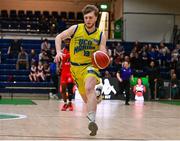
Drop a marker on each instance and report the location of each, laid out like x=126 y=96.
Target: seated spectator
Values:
x=45 y=45
x=53 y=54
x=163 y=51
x=137 y=44
x=22 y=61
x=33 y=57
x=33 y=73
x=153 y=55
x=47 y=72
x=119 y=50
x=144 y=56
x=40 y=72
x=136 y=63
x=174 y=56
x=43 y=57
x=174 y=86
x=133 y=52
x=14 y=48
x=107 y=74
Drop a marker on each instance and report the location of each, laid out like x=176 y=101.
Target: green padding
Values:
x=172 y=102
x=17 y=101
x=7 y=116
x=144 y=81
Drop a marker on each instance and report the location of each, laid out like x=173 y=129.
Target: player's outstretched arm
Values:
x=58 y=41
x=102 y=46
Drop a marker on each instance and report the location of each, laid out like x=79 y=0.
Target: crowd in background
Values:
x=148 y=60
x=144 y=59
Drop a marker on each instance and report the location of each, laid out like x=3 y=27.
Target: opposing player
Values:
x=85 y=40
x=66 y=82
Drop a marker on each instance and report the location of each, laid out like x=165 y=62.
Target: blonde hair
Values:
x=89 y=8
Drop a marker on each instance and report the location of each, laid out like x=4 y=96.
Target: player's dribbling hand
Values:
x=58 y=57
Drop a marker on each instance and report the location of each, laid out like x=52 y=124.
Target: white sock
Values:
x=91 y=116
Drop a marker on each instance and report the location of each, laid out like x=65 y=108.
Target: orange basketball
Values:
x=100 y=59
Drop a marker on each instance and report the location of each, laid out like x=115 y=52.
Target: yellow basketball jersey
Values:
x=84 y=44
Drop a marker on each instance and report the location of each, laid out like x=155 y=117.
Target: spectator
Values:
x=33 y=73
x=107 y=74
x=45 y=45
x=164 y=51
x=43 y=57
x=174 y=56
x=14 y=48
x=174 y=86
x=119 y=49
x=118 y=60
x=144 y=56
x=22 y=61
x=152 y=73
x=53 y=54
x=40 y=72
x=136 y=63
x=47 y=72
x=153 y=55
x=137 y=45
x=33 y=57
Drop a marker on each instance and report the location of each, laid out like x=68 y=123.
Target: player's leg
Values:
x=64 y=97
x=70 y=95
x=90 y=83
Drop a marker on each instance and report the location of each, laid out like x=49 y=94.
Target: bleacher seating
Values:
x=20 y=21
x=19 y=81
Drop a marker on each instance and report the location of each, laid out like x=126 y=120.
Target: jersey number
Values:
x=86 y=53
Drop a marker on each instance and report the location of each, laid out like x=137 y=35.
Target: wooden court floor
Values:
x=44 y=121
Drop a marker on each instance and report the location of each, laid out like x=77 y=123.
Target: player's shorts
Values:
x=82 y=71
x=66 y=78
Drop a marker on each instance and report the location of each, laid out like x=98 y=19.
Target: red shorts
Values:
x=66 y=78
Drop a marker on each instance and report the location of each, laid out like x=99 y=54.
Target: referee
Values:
x=124 y=76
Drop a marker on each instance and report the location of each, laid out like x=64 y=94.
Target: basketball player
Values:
x=85 y=40
x=66 y=81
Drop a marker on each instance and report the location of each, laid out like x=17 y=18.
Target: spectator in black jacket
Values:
x=14 y=48
x=152 y=73
x=174 y=86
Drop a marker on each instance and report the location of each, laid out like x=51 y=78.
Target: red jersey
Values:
x=65 y=62
x=65 y=72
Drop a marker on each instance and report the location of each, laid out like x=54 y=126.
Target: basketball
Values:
x=100 y=59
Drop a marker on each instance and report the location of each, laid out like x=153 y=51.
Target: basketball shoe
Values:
x=64 y=108
x=70 y=106
x=92 y=125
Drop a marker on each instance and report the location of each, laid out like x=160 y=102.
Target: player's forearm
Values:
x=58 y=42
